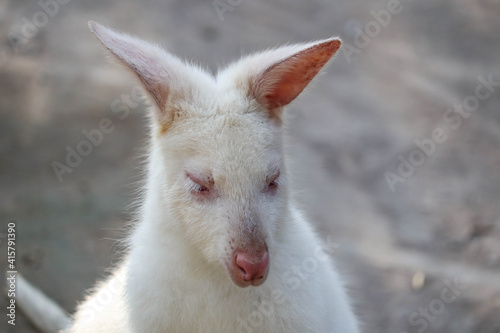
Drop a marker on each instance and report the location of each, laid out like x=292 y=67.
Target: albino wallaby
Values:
x=219 y=245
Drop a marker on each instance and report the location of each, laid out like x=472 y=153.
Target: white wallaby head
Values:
x=217 y=145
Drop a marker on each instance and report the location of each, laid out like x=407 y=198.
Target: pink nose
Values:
x=251 y=267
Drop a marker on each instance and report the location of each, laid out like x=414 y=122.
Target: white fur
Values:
x=176 y=276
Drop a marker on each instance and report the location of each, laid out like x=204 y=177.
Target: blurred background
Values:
x=395 y=149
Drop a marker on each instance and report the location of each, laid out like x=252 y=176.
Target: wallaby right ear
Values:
x=145 y=60
x=162 y=74
x=275 y=78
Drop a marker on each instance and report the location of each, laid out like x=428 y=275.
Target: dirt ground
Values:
x=395 y=150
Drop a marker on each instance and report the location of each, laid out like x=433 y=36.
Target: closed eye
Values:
x=196 y=185
x=273 y=182
x=272 y=185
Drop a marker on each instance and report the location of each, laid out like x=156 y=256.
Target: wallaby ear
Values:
x=147 y=61
x=284 y=80
x=277 y=77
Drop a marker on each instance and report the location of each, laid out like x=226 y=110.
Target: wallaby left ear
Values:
x=283 y=81
x=277 y=77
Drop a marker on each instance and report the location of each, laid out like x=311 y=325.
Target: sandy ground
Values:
x=403 y=242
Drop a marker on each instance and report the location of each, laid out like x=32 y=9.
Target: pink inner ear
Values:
x=157 y=89
x=147 y=68
x=284 y=81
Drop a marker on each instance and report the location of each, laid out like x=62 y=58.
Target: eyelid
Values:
x=193 y=186
x=274 y=177
x=208 y=183
x=194 y=178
